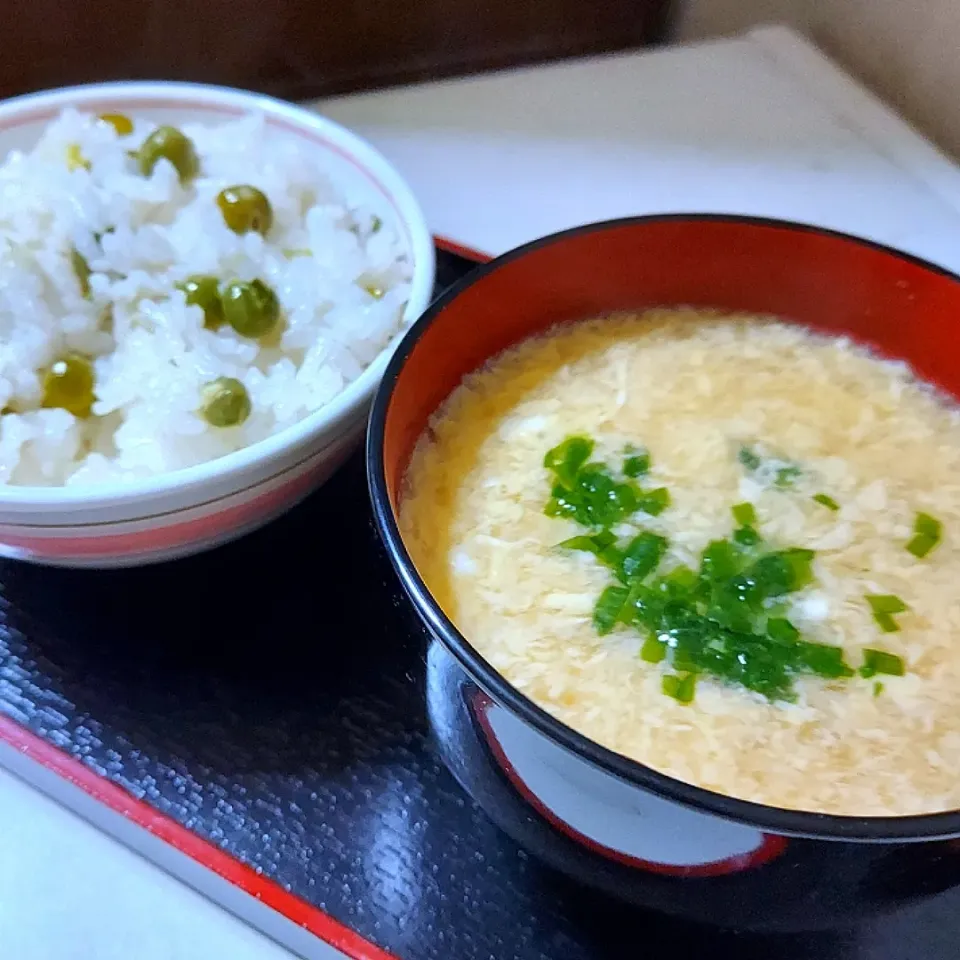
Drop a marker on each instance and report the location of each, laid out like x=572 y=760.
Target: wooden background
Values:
x=304 y=48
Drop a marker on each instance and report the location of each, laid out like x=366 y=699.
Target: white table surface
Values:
x=68 y=892
x=759 y=124
x=762 y=125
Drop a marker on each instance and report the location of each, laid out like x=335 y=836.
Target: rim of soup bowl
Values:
x=801 y=823
x=340 y=413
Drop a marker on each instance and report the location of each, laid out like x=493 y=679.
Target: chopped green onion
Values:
x=567 y=458
x=653 y=651
x=728 y=619
x=589 y=494
x=636 y=593
x=785 y=571
x=824 y=660
x=748 y=458
x=877 y=689
x=886 y=622
x=786 y=472
x=655 y=501
x=827 y=501
x=719 y=561
x=590 y=544
x=642 y=556
x=607 y=611
x=611 y=556
x=678 y=580
x=602 y=545
x=375 y=224
x=637 y=464
x=920 y=545
x=746 y=536
x=883 y=607
x=801 y=567
x=782 y=630
x=886 y=603
x=878 y=661
x=924 y=523
x=681 y=688
x=928 y=532
x=787 y=475
x=556 y=508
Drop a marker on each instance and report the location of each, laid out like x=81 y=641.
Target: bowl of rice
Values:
x=677 y=500
x=199 y=291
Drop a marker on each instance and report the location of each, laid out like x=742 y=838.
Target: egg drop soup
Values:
x=722 y=546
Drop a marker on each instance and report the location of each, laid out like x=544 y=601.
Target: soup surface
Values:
x=763 y=600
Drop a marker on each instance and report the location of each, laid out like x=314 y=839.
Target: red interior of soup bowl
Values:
x=902 y=307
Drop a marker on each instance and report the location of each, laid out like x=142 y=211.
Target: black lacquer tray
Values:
x=253 y=719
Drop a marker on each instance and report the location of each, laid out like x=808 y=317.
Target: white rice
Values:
x=326 y=245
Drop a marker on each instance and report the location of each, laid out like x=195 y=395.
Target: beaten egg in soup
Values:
x=718 y=545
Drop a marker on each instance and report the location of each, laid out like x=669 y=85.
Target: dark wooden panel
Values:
x=300 y=48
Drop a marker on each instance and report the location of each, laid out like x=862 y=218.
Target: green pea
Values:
x=224 y=402
x=168 y=143
x=204 y=292
x=119 y=121
x=251 y=308
x=245 y=208
x=68 y=383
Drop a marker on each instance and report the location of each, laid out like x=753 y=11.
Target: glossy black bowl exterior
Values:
x=805 y=885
